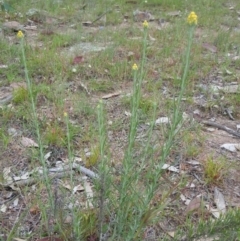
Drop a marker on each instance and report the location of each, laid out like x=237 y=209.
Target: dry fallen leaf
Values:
x=78 y=60
x=210 y=47
x=111 y=95
x=79 y=188
x=232 y=89
x=3 y=208
x=15 y=203
x=19 y=239
x=194 y=204
x=233 y=147
x=3 y=66
x=25 y=176
x=162 y=120
x=140 y=16
x=219 y=200
x=87 y=23
x=193 y=162
x=66 y=185
x=34 y=210
x=7 y=176
x=213 y=211
x=170 y=168
x=50 y=239
x=171 y=234
x=208 y=239
x=174 y=13
x=27 y=142
x=89 y=194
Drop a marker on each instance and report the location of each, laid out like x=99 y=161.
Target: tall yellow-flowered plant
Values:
x=192 y=18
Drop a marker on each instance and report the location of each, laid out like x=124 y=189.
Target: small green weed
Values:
x=101 y=85
x=214 y=170
x=5 y=139
x=54 y=134
x=93 y=158
x=191 y=144
x=20 y=95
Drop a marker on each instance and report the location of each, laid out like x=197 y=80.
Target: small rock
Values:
x=13 y=132
x=140 y=16
x=12 y=25
x=231 y=89
x=1 y=34
x=174 y=13
x=36 y=15
x=5 y=95
x=162 y=120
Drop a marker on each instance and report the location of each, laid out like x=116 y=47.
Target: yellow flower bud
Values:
x=20 y=34
x=135 y=67
x=192 y=18
x=145 y=24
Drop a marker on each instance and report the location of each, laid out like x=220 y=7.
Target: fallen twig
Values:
x=221 y=127
x=85 y=170
x=103 y=14
x=229 y=114
x=56 y=172
x=33 y=180
x=74 y=166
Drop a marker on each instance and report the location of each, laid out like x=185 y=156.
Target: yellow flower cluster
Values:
x=145 y=24
x=20 y=34
x=135 y=67
x=192 y=18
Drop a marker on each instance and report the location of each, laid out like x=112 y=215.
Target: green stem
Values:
x=35 y=120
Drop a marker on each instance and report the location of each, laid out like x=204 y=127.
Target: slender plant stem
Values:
x=35 y=121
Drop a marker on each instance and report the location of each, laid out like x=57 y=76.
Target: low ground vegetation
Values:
x=119 y=120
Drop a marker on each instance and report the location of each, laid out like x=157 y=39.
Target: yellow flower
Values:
x=20 y=34
x=192 y=18
x=135 y=67
x=65 y=114
x=145 y=24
